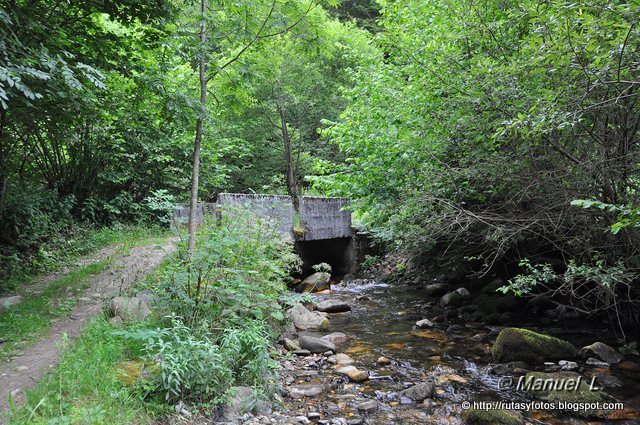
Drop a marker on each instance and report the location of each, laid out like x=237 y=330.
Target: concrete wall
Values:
x=276 y=207
x=320 y=217
x=181 y=214
x=325 y=218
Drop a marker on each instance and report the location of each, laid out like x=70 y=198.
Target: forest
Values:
x=488 y=152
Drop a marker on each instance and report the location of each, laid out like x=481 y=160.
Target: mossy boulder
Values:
x=565 y=387
x=129 y=372
x=491 y=417
x=514 y=344
x=452 y=299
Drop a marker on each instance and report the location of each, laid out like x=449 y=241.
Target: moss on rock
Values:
x=491 y=417
x=515 y=344
x=129 y=372
x=565 y=387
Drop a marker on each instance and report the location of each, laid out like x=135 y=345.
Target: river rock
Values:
x=451 y=299
x=601 y=351
x=369 y=406
x=383 y=361
x=515 y=344
x=8 y=302
x=353 y=373
x=418 y=392
x=340 y=359
x=464 y=293
x=304 y=319
x=597 y=363
x=333 y=306
x=437 y=289
x=316 y=282
x=291 y=345
x=244 y=401
x=608 y=381
x=491 y=417
x=568 y=387
x=358 y=375
x=129 y=309
x=337 y=337
x=424 y=323
x=316 y=345
x=305 y=390
x=567 y=365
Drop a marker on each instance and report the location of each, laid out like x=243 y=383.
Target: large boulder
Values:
x=451 y=299
x=129 y=309
x=437 y=289
x=316 y=345
x=315 y=283
x=514 y=344
x=333 y=306
x=601 y=351
x=304 y=319
x=8 y=302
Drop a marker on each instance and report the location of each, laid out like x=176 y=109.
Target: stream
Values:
x=454 y=353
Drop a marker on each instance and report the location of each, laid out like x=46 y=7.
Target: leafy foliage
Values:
x=238 y=272
x=196 y=368
x=467 y=141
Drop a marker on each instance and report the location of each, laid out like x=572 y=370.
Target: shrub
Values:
x=198 y=366
x=220 y=302
x=236 y=273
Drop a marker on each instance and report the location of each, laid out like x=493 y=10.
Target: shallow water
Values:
x=453 y=352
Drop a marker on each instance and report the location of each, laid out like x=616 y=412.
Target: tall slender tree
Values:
x=193 y=211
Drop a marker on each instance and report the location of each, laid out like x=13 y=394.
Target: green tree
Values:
x=467 y=143
x=282 y=93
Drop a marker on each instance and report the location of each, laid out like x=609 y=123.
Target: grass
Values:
x=84 y=388
x=25 y=322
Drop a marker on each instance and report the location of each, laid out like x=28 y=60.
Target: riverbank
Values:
x=425 y=375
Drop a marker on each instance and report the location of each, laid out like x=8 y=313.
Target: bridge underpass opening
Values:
x=337 y=252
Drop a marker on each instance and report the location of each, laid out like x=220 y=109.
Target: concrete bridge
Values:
x=318 y=217
x=321 y=229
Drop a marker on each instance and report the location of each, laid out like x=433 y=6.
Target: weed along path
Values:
x=120 y=269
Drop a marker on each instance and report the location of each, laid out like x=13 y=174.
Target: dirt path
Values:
x=24 y=371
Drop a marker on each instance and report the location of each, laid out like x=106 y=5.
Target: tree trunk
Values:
x=290 y=179
x=193 y=212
